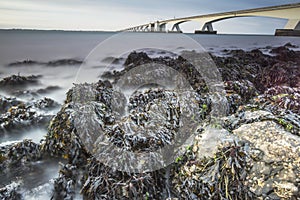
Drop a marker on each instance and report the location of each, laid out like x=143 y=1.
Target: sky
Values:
x=112 y=15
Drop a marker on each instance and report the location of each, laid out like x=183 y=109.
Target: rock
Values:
x=287 y=98
x=48 y=89
x=280 y=162
x=46 y=104
x=15 y=82
x=289 y=45
x=63 y=62
x=25 y=63
x=64 y=185
x=112 y=60
x=18 y=154
x=34 y=94
x=285 y=54
x=6 y=103
x=11 y=191
x=136 y=59
x=23 y=115
x=55 y=63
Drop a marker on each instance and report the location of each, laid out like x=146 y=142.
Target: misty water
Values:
x=46 y=46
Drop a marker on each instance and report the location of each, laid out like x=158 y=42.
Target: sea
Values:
x=100 y=52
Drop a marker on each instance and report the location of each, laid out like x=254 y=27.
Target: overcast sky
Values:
x=110 y=15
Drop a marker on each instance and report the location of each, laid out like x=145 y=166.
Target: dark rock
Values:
x=6 y=103
x=63 y=62
x=34 y=94
x=25 y=115
x=48 y=89
x=285 y=54
x=15 y=82
x=25 y=63
x=112 y=60
x=289 y=45
x=136 y=59
x=11 y=192
x=46 y=104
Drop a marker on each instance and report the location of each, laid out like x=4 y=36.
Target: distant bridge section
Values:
x=291 y=12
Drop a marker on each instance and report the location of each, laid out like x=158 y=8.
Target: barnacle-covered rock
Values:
x=273 y=174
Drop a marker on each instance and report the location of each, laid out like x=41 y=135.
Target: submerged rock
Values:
x=63 y=62
x=6 y=103
x=15 y=82
x=24 y=63
x=11 y=191
x=23 y=115
x=55 y=63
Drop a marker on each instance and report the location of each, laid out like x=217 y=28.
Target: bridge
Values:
x=291 y=12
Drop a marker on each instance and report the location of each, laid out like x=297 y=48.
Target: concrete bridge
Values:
x=291 y=12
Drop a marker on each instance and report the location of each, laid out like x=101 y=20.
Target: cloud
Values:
x=113 y=14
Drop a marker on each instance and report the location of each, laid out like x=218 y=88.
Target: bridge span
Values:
x=291 y=12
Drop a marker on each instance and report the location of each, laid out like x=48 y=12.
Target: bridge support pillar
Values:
x=292 y=28
x=162 y=28
x=152 y=27
x=176 y=28
x=208 y=27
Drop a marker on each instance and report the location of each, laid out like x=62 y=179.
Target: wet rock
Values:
x=181 y=65
x=136 y=59
x=22 y=152
x=289 y=45
x=34 y=94
x=280 y=74
x=112 y=60
x=46 y=104
x=19 y=154
x=16 y=118
x=14 y=82
x=48 y=89
x=63 y=62
x=11 y=191
x=25 y=63
x=55 y=63
x=6 y=103
x=64 y=185
x=285 y=54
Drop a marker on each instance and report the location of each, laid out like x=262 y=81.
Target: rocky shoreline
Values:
x=253 y=153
